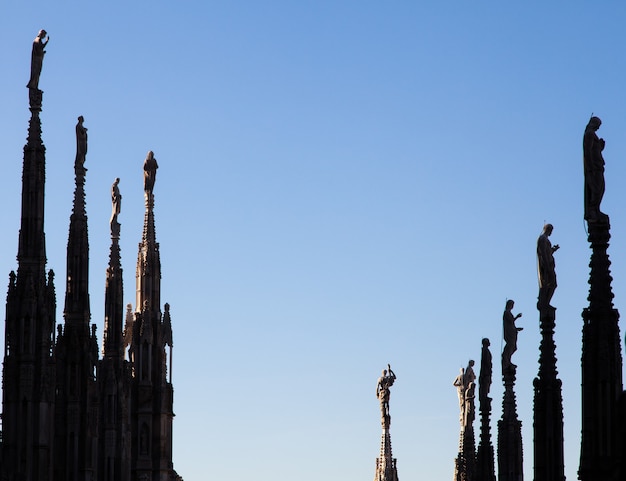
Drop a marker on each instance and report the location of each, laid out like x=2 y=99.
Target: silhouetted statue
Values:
x=81 y=143
x=470 y=375
x=150 y=167
x=36 y=59
x=116 y=204
x=510 y=334
x=486 y=368
x=382 y=390
x=594 y=171
x=545 y=265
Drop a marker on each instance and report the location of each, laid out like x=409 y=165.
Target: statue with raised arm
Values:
x=36 y=59
x=116 y=204
x=81 y=143
x=594 y=171
x=150 y=167
x=546 y=267
x=510 y=334
x=382 y=391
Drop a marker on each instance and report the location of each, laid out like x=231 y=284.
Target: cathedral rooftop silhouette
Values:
x=66 y=413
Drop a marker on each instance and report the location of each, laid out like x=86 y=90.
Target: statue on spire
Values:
x=486 y=367
x=383 y=394
x=150 y=167
x=36 y=60
x=510 y=334
x=594 y=171
x=386 y=469
x=81 y=146
x=116 y=203
x=546 y=267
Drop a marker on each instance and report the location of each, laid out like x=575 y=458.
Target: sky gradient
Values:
x=341 y=185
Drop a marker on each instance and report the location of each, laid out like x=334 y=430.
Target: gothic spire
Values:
x=114 y=291
x=465 y=462
x=510 y=453
x=151 y=332
x=28 y=367
x=386 y=463
x=149 y=261
x=77 y=309
x=32 y=246
x=77 y=348
x=601 y=350
x=485 y=470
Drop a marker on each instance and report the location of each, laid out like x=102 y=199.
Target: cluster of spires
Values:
x=66 y=413
x=603 y=440
x=49 y=376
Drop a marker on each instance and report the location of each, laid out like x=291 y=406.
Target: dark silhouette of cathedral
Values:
x=67 y=414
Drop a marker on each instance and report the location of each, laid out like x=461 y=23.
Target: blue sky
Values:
x=341 y=185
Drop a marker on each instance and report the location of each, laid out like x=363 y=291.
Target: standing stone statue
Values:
x=150 y=167
x=545 y=265
x=116 y=203
x=36 y=60
x=470 y=375
x=486 y=367
x=81 y=143
x=465 y=384
x=382 y=392
x=469 y=404
x=594 y=171
x=469 y=384
x=510 y=334
x=460 y=392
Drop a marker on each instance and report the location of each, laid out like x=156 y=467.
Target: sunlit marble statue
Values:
x=385 y=381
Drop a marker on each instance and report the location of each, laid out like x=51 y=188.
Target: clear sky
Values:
x=342 y=184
